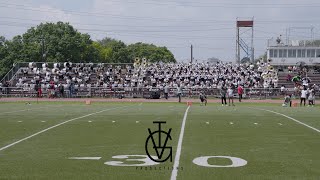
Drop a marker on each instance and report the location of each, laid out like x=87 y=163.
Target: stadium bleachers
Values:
x=110 y=80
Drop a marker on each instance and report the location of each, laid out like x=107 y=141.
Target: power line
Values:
x=99 y=14
x=82 y=13
x=219 y=5
x=139 y=34
x=134 y=30
x=120 y=25
x=186 y=3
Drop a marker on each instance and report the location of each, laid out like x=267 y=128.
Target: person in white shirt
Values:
x=303 y=96
x=283 y=90
x=230 y=95
x=166 y=91
x=311 y=97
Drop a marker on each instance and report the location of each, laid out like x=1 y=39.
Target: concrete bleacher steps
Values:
x=314 y=77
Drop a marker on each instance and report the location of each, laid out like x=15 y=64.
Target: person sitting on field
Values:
x=203 y=99
x=287 y=101
x=311 y=98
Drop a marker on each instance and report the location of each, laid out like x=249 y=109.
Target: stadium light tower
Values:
x=244 y=44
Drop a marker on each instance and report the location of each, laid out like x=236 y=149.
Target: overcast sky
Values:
x=209 y=25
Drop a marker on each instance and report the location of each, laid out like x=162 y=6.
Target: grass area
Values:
x=274 y=146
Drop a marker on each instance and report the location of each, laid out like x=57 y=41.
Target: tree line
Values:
x=61 y=42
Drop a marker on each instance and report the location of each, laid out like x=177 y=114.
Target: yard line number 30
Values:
x=124 y=160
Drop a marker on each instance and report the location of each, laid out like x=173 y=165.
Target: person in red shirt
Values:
x=240 y=92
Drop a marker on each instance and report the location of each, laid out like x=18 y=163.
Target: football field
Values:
x=71 y=140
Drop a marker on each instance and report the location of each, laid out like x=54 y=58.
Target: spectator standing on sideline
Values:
x=6 y=87
x=166 y=91
x=38 y=89
x=203 y=99
x=61 y=90
x=303 y=96
x=240 y=92
x=179 y=92
x=71 y=90
x=223 y=92
x=230 y=95
x=283 y=90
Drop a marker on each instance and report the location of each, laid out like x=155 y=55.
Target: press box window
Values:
x=311 y=52
x=282 y=53
x=301 y=53
x=271 y=53
x=275 y=53
x=318 y=53
x=292 y=53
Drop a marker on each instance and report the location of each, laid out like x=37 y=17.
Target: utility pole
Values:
x=42 y=49
x=191 y=53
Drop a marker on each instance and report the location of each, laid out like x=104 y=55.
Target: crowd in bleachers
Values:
x=157 y=75
x=204 y=75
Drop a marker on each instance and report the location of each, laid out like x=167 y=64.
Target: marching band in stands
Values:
x=142 y=74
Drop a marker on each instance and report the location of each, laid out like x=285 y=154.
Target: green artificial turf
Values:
x=274 y=146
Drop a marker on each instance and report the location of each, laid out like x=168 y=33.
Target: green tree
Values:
x=59 y=42
x=121 y=56
x=3 y=55
x=111 y=50
x=151 y=52
x=104 y=53
x=12 y=51
x=114 y=44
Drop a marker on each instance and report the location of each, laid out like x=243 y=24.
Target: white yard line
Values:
x=178 y=153
x=47 y=129
x=304 y=124
x=85 y=158
x=27 y=109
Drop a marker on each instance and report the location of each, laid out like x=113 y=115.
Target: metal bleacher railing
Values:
x=99 y=92
x=11 y=73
